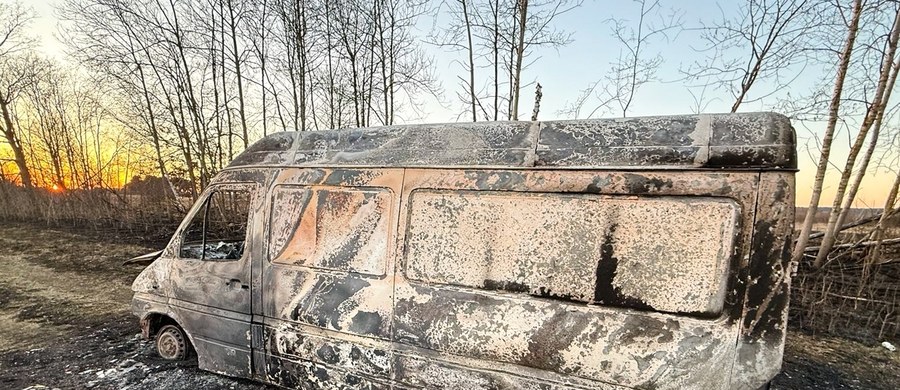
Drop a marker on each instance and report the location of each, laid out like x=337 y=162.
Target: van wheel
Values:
x=172 y=343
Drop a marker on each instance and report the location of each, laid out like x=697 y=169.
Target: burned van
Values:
x=644 y=253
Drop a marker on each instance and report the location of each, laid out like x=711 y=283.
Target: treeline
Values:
x=197 y=81
x=202 y=79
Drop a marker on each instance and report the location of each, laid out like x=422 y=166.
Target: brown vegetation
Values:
x=850 y=295
x=147 y=213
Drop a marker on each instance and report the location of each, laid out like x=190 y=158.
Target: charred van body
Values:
x=593 y=254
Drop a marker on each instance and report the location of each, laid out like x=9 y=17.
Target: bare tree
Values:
x=234 y=19
x=200 y=80
x=833 y=111
x=889 y=209
x=534 y=28
x=874 y=114
x=499 y=35
x=457 y=36
x=766 y=42
x=634 y=67
x=15 y=75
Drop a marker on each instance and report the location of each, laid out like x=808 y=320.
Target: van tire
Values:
x=172 y=343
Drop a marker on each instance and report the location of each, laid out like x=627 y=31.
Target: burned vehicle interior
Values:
x=638 y=253
x=219 y=229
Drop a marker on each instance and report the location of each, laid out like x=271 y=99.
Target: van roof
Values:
x=762 y=140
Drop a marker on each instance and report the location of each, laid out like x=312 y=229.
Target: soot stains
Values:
x=273 y=143
x=605 y=291
x=752 y=156
x=322 y=305
x=503 y=285
x=541 y=292
x=495 y=180
x=766 y=265
x=546 y=292
x=327 y=354
x=366 y=323
x=597 y=185
x=638 y=327
x=638 y=184
x=349 y=177
x=554 y=335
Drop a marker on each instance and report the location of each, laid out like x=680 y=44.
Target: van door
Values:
x=211 y=279
x=329 y=278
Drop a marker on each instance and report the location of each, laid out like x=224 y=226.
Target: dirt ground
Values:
x=64 y=323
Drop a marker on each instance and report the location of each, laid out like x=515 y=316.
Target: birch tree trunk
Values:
x=834 y=107
x=874 y=111
x=886 y=213
x=465 y=12
x=9 y=132
x=520 y=52
x=242 y=112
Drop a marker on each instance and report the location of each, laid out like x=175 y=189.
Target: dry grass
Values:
x=851 y=296
x=53 y=281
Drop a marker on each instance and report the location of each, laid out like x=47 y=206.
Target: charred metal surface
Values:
x=210 y=300
x=330 y=321
x=307 y=375
x=573 y=335
x=294 y=342
x=525 y=242
x=698 y=141
x=432 y=372
x=145 y=326
x=274 y=149
x=639 y=267
x=752 y=140
x=764 y=327
x=341 y=229
x=611 y=346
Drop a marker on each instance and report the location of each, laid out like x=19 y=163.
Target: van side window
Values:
x=666 y=254
x=218 y=230
x=342 y=229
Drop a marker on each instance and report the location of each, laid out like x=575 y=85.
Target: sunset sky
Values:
x=563 y=73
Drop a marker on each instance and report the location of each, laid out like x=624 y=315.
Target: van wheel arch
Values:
x=153 y=323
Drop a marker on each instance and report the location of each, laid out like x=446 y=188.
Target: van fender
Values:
x=153 y=312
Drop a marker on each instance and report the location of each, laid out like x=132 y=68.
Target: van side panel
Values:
x=761 y=343
x=490 y=333
x=328 y=278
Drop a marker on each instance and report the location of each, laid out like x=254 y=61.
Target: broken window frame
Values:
x=249 y=188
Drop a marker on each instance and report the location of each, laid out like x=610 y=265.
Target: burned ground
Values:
x=64 y=323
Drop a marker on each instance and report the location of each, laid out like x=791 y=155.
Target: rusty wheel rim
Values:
x=170 y=345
